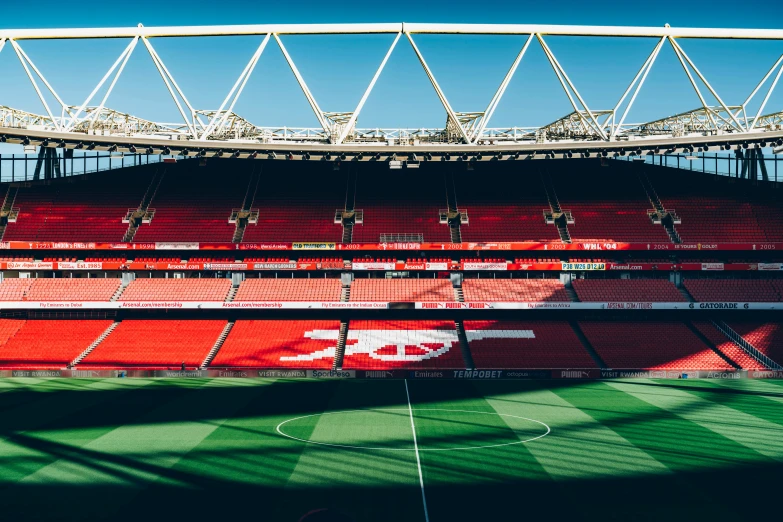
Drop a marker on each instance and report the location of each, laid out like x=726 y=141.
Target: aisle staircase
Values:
x=218 y=343
x=94 y=344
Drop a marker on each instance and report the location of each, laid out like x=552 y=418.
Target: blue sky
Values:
x=338 y=68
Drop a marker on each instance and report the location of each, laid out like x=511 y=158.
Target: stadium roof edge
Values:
x=391 y=28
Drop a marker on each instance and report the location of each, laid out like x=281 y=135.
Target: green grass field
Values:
x=268 y=450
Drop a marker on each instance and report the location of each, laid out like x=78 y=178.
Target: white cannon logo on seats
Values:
x=429 y=343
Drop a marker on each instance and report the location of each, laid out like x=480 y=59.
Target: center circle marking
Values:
x=349 y=446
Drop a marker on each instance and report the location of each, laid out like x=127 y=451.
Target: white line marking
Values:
x=463 y=448
x=416 y=448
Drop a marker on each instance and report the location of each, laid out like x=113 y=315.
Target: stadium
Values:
x=572 y=321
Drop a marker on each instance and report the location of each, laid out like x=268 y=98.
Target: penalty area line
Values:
x=416 y=450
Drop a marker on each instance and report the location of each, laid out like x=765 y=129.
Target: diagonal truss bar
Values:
x=769 y=92
x=693 y=84
x=501 y=90
x=438 y=90
x=564 y=79
x=355 y=115
x=220 y=117
x=63 y=105
x=169 y=80
x=20 y=55
x=706 y=83
x=310 y=98
x=122 y=59
x=2 y=44
x=646 y=67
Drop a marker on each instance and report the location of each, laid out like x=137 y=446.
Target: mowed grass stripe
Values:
x=496 y=483
x=579 y=446
x=70 y=417
x=358 y=481
x=694 y=453
x=753 y=433
x=675 y=442
x=739 y=395
x=127 y=460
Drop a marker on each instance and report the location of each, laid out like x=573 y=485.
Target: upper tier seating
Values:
x=279 y=344
x=404 y=203
x=723 y=344
x=526 y=344
x=607 y=204
x=297 y=203
x=391 y=290
x=765 y=337
x=650 y=345
x=384 y=345
x=156 y=344
x=503 y=207
x=87 y=208
x=750 y=290
x=46 y=344
x=715 y=210
x=638 y=290
x=514 y=290
x=177 y=290
x=195 y=204
x=308 y=290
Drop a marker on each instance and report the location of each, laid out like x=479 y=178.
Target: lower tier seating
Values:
x=650 y=345
x=137 y=343
x=391 y=290
x=639 y=290
x=765 y=337
x=383 y=345
x=286 y=289
x=46 y=344
x=154 y=289
x=724 y=345
x=279 y=344
x=750 y=290
x=514 y=290
x=526 y=344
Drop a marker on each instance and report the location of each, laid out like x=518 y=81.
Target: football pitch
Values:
x=389 y=450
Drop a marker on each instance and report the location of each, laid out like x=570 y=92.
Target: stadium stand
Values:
x=713 y=210
x=76 y=289
x=309 y=290
x=87 y=208
x=297 y=205
x=750 y=290
x=640 y=290
x=46 y=344
x=731 y=350
x=514 y=290
x=503 y=208
x=607 y=205
x=384 y=345
x=207 y=289
x=153 y=344
x=61 y=289
x=12 y=289
x=403 y=204
x=195 y=205
x=391 y=290
x=525 y=344
x=650 y=345
x=766 y=337
x=277 y=344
